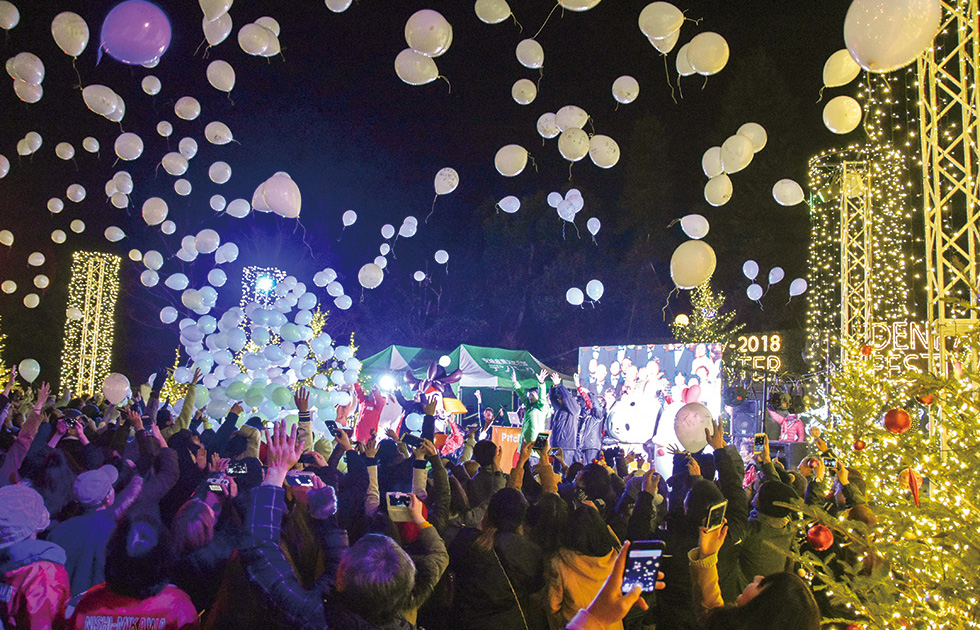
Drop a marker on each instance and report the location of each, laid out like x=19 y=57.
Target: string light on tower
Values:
x=94 y=291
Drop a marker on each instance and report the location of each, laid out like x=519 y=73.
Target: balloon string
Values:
x=229 y=99
x=341 y=233
x=577 y=233
x=680 y=90
x=514 y=17
x=570 y=164
x=667 y=303
x=433 y=208
x=594 y=242
x=74 y=67
x=537 y=84
x=546 y=20
x=203 y=41
x=705 y=84
x=447 y=83
x=669 y=84
x=673 y=223
x=820 y=93
x=533 y=163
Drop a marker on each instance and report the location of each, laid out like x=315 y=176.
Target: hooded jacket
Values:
x=573 y=581
x=564 y=423
x=34 y=585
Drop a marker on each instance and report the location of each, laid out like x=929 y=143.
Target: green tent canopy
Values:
x=397 y=359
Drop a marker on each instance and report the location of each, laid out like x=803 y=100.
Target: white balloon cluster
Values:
x=569 y=205
x=661 y=23
x=732 y=156
x=260 y=38
x=593 y=289
x=492 y=11
x=29 y=144
x=104 y=101
x=750 y=269
x=428 y=35
x=27 y=71
x=278 y=194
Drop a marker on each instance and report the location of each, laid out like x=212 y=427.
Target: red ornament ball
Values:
x=820 y=537
x=866 y=350
x=897 y=420
x=859 y=445
x=907 y=477
x=925 y=399
x=854 y=626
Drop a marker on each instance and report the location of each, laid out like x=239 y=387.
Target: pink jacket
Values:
x=99 y=607
x=790 y=427
x=34 y=585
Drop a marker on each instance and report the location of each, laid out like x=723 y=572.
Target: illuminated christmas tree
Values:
x=706 y=323
x=915 y=438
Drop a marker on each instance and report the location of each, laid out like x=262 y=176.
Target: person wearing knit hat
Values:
x=32 y=571
x=765 y=548
x=84 y=537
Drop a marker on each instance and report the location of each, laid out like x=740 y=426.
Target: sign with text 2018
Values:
x=903 y=345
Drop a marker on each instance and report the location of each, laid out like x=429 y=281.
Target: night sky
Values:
x=331 y=112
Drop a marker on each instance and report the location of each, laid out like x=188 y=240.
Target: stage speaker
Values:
x=790 y=453
x=745 y=419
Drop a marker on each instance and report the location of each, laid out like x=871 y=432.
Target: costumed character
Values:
x=441 y=405
x=637 y=415
x=535 y=406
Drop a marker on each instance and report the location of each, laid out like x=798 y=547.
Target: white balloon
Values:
x=695 y=226
x=524 y=91
x=217 y=278
x=255 y=39
x=754 y=291
x=9 y=15
x=750 y=269
x=55 y=205
x=338 y=6
x=64 y=151
x=692 y=263
x=492 y=11
x=70 y=32
x=343 y=302
x=221 y=75
x=28 y=67
x=578 y=5
x=442 y=257
x=711 y=162
x=73 y=313
x=594 y=290
x=718 y=190
x=218 y=133
x=187 y=147
x=593 y=225
x=36 y=259
x=59 y=236
x=446 y=181
x=238 y=208
x=708 y=53
x=797 y=287
x=100 y=99
x=571 y=117
x=776 y=274
x=4 y=166
x=76 y=193
x=756 y=134
x=217 y=30
x=149 y=278
x=625 y=89
x=28 y=92
x=227 y=252
x=530 y=54
x=885 y=35
x=842 y=114
x=207 y=241
x=658 y=20
x=90 y=144
x=428 y=33
x=511 y=160
x=174 y=163
x=168 y=315
x=31 y=300
x=554 y=198
x=33 y=140
x=840 y=69
x=419 y=276
x=218 y=203
x=77 y=226
x=603 y=151
x=281 y=195
x=8 y=286
x=6 y=238
x=129 y=146
x=114 y=234
x=213 y=9
x=573 y=144
x=666 y=44
x=736 y=153
x=151 y=85
x=574 y=296
x=269 y=23
x=219 y=172
x=370 y=276
x=415 y=68
x=187 y=108
x=168 y=227
x=177 y=282
x=547 y=126
x=349 y=218
x=510 y=204
x=155 y=211
x=787 y=192
x=41 y=281
x=182 y=187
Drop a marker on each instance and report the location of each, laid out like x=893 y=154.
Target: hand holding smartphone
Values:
x=642 y=564
x=716 y=516
x=398 y=507
x=296 y=478
x=759 y=446
x=413 y=441
x=541 y=442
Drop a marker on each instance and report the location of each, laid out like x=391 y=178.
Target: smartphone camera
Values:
x=759 y=445
x=541 y=441
x=553 y=451
x=237 y=468
x=830 y=463
x=716 y=516
x=412 y=440
x=300 y=479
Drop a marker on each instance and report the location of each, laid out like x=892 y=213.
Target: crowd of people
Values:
x=134 y=517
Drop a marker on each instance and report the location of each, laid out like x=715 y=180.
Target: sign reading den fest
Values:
x=902 y=346
x=649 y=383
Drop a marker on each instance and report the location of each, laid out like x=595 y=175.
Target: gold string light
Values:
x=94 y=290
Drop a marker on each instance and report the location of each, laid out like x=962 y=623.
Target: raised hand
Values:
x=10 y=381
x=302 y=398
x=134 y=418
x=693 y=468
x=715 y=436
x=371 y=446
x=392 y=435
x=282 y=452
x=555 y=378
x=42 y=397
x=610 y=604
x=342 y=440
x=197 y=376
x=711 y=542
x=651 y=481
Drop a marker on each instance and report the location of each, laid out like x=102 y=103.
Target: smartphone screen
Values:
x=216 y=488
x=553 y=452
x=299 y=480
x=642 y=564
x=332 y=427
x=830 y=463
x=716 y=515
x=541 y=441
x=760 y=443
x=237 y=468
x=398 y=504
x=412 y=440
